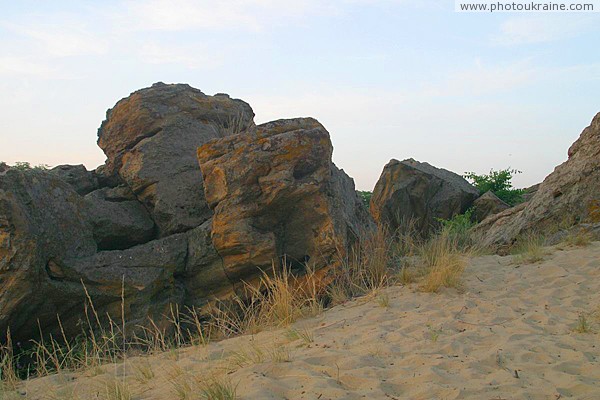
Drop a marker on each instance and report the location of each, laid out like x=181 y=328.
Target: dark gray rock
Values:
x=82 y=180
x=118 y=222
x=419 y=192
x=42 y=222
x=486 y=205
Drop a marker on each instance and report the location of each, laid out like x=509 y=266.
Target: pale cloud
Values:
x=15 y=66
x=177 y=15
x=192 y=57
x=60 y=39
x=543 y=28
x=483 y=79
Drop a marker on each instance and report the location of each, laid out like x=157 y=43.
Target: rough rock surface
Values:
x=568 y=196
x=276 y=193
x=82 y=180
x=141 y=222
x=411 y=190
x=118 y=222
x=150 y=138
x=41 y=222
x=486 y=205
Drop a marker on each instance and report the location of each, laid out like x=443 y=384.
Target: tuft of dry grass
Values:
x=443 y=261
x=115 y=389
x=583 y=324
x=529 y=248
x=365 y=270
x=281 y=354
x=305 y=334
x=383 y=300
x=143 y=371
x=278 y=300
x=250 y=356
x=218 y=388
x=8 y=375
x=578 y=238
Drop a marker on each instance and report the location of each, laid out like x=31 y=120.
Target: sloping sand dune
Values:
x=508 y=335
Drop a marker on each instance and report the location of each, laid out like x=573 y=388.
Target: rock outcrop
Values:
x=419 y=192
x=143 y=224
x=568 y=196
x=82 y=180
x=150 y=138
x=486 y=205
x=42 y=222
x=276 y=194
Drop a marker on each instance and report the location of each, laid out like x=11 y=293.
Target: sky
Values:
x=387 y=78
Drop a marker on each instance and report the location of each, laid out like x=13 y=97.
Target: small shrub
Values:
x=365 y=196
x=458 y=228
x=499 y=183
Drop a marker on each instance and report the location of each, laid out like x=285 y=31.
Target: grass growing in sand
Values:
x=277 y=299
x=529 y=248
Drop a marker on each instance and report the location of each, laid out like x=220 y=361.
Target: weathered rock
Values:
x=276 y=193
x=570 y=195
x=414 y=191
x=204 y=275
x=530 y=191
x=82 y=180
x=118 y=221
x=146 y=273
x=141 y=224
x=150 y=139
x=42 y=221
x=486 y=205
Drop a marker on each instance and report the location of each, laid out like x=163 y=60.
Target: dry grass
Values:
x=365 y=270
x=583 y=324
x=578 y=238
x=305 y=334
x=443 y=261
x=115 y=389
x=8 y=374
x=278 y=299
x=529 y=248
x=218 y=388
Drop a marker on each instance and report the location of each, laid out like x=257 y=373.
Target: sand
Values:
x=508 y=334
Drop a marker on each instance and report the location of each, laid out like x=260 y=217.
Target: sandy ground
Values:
x=508 y=335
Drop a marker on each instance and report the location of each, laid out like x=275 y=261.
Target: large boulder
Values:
x=486 y=205
x=277 y=195
x=49 y=242
x=150 y=138
x=118 y=220
x=416 y=192
x=140 y=226
x=42 y=221
x=568 y=196
x=82 y=180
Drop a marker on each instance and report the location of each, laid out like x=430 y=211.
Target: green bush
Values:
x=499 y=182
x=365 y=197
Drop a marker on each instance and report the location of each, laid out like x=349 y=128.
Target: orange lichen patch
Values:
x=215 y=184
x=594 y=211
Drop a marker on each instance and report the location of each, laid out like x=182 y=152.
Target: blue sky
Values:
x=388 y=79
